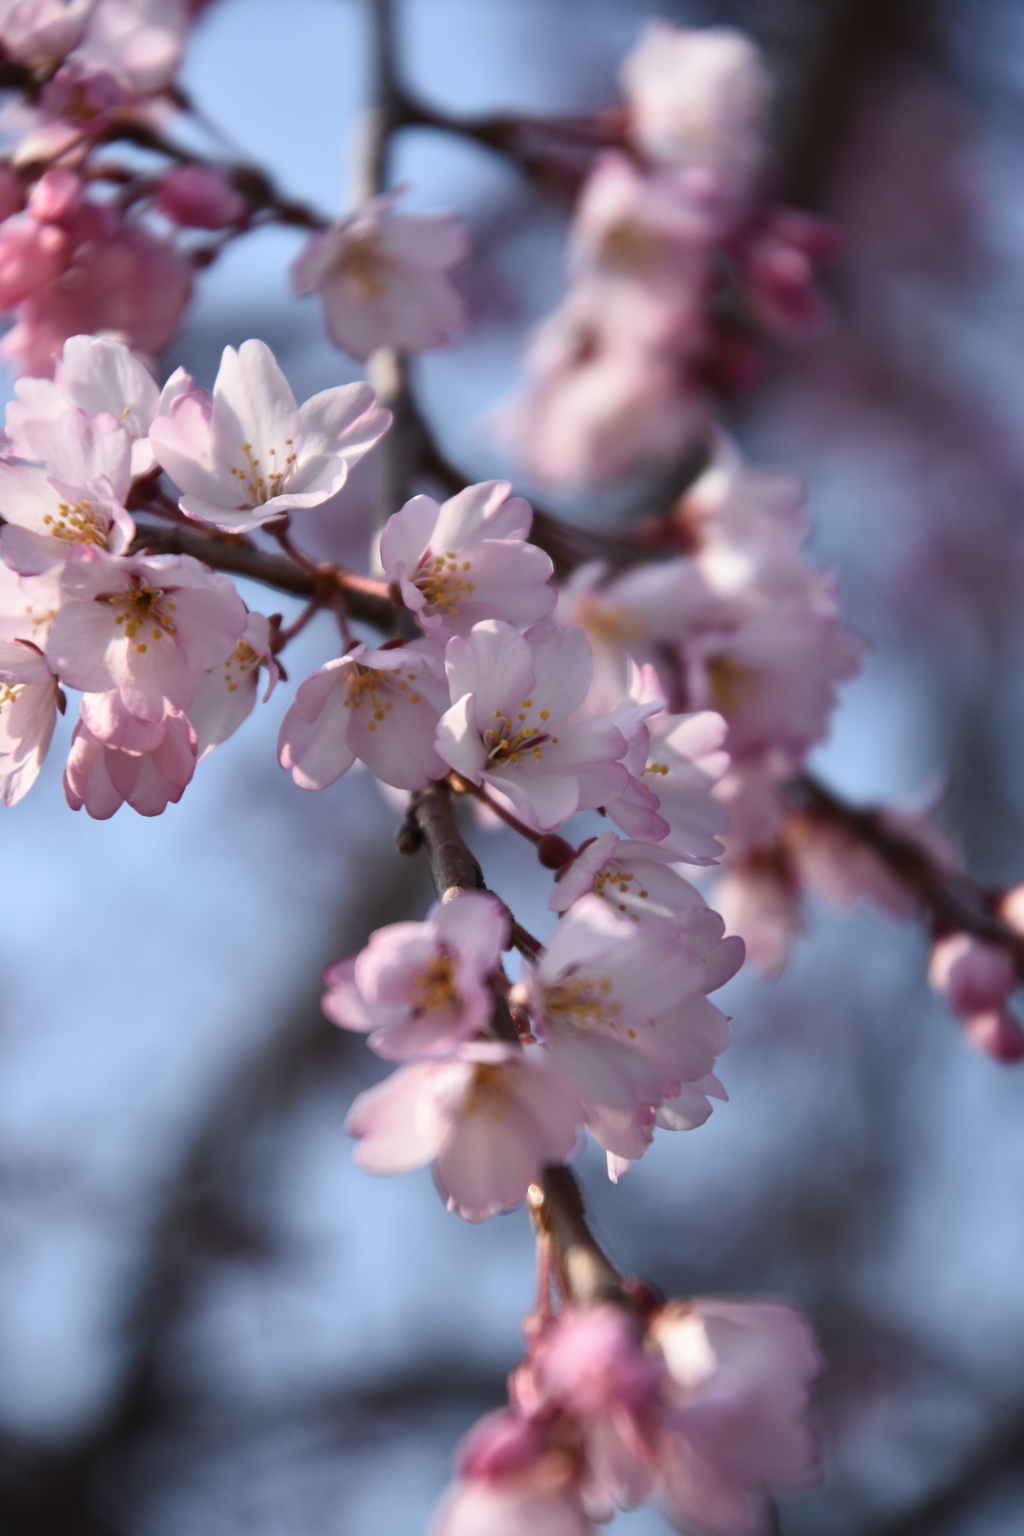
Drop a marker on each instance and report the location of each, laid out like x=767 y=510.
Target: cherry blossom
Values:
x=383 y=278
x=698 y=101
x=419 y=988
x=98 y=376
x=38 y=33
x=73 y=501
x=511 y=728
x=28 y=604
x=225 y=696
x=139 y=42
x=145 y=625
x=102 y=777
x=622 y=1007
x=198 y=197
x=635 y=878
x=29 y=700
x=467 y=560
x=738 y=1382
x=251 y=453
x=381 y=707
x=488 y=1119
x=512 y=1507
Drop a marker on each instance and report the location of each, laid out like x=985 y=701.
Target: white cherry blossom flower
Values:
x=102 y=777
x=226 y=695
x=251 y=453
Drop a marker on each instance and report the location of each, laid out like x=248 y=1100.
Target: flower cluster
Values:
x=161 y=646
x=697 y=1406
x=674 y=262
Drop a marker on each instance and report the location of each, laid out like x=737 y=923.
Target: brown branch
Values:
x=556 y=1205
x=364 y=598
x=952 y=901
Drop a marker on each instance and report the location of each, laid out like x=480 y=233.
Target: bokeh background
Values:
x=210 y=1323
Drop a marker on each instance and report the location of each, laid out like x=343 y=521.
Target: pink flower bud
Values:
x=972 y=975
x=197 y=197
x=55 y=197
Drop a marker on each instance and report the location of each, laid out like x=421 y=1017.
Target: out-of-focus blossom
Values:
x=738 y=1386
x=70 y=265
x=467 y=560
x=29 y=700
x=38 y=33
x=99 y=377
x=511 y=1508
x=418 y=989
x=226 y=695
x=145 y=625
x=978 y=980
x=758 y=897
x=381 y=707
x=777 y=260
x=252 y=453
x=73 y=501
x=200 y=197
x=383 y=278
x=102 y=778
x=698 y=101
x=509 y=726
x=489 y=1119
x=139 y=42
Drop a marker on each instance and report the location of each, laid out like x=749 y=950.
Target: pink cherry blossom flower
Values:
x=511 y=729
x=699 y=101
x=98 y=376
x=145 y=625
x=199 y=197
x=73 y=266
x=29 y=700
x=635 y=878
x=251 y=453
x=759 y=898
x=226 y=695
x=383 y=278
x=737 y=1391
x=102 y=777
x=467 y=560
x=38 y=33
x=381 y=707
x=622 y=1007
x=75 y=500
x=489 y=1120
x=419 y=988
x=978 y=980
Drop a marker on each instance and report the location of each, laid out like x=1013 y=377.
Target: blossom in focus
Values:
x=98 y=376
x=635 y=878
x=419 y=988
x=251 y=453
x=467 y=560
x=738 y=1377
x=383 y=278
x=698 y=101
x=226 y=695
x=381 y=707
x=29 y=700
x=73 y=501
x=978 y=980
x=29 y=604
x=102 y=777
x=145 y=625
x=509 y=727
x=622 y=1007
x=489 y=1119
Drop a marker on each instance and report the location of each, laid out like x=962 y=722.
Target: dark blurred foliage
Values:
x=287 y=1347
